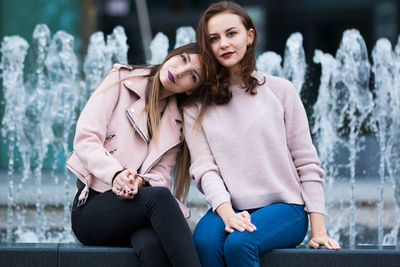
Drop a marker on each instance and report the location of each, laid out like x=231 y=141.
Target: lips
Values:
x=171 y=77
x=227 y=54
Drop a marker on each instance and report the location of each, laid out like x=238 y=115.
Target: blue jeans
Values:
x=279 y=225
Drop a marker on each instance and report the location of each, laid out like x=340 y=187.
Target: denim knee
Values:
x=239 y=245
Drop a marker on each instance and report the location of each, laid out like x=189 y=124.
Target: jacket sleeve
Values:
x=160 y=174
x=203 y=167
x=91 y=129
x=302 y=150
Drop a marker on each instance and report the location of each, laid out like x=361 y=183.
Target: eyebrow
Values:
x=195 y=71
x=227 y=30
x=231 y=28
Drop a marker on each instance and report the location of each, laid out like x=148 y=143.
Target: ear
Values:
x=250 y=37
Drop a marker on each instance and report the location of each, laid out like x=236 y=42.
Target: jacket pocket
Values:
x=110 y=144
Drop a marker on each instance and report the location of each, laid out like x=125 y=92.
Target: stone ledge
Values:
x=24 y=254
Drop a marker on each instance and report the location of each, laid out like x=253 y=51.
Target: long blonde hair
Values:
x=153 y=92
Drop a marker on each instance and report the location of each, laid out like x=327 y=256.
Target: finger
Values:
x=313 y=244
x=136 y=186
x=334 y=243
x=246 y=224
x=237 y=226
x=229 y=229
x=123 y=183
x=130 y=174
x=246 y=215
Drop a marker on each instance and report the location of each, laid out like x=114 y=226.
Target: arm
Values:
x=306 y=161
x=208 y=178
x=301 y=149
x=318 y=233
x=160 y=173
x=203 y=166
x=91 y=129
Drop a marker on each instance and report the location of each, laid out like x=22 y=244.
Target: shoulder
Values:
x=191 y=111
x=281 y=87
x=127 y=70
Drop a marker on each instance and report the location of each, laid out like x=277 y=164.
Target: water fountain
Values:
x=356 y=127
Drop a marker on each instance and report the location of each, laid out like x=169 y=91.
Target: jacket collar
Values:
x=171 y=119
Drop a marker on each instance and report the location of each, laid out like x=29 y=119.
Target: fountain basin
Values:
x=26 y=254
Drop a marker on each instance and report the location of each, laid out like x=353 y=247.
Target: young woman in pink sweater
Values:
x=251 y=151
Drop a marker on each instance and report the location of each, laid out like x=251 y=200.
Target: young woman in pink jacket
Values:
x=251 y=151
x=125 y=148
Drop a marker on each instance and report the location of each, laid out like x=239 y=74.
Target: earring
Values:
x=188 y=92
x=249 y=44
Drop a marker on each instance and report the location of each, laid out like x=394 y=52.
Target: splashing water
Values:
x=185 y=35
x=270 y=63
x=159 y=48
x=41 y=112
x=294 y=63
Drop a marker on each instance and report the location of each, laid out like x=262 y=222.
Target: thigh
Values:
x=107 y=220
x=209 y=237
x=149 y=248
x=280 y=225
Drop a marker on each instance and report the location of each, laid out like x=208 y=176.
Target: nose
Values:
x=224 y=43
x=181 y=70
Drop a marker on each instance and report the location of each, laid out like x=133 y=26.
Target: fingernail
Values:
x=124 y=191
x=131 y=181
x=120 y=189
x=136 y=175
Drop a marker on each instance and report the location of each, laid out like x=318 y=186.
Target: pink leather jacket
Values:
x=111 y=134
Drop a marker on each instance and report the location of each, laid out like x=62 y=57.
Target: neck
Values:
x=165 y=93
x=235 y=75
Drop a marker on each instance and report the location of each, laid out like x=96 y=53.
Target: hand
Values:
x=323 y=240
x=240 y=221
x=125 y=185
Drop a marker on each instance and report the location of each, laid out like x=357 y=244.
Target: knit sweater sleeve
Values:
x=301 y=148
x=203 y=165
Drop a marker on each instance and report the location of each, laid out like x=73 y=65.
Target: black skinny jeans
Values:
x=152 y=223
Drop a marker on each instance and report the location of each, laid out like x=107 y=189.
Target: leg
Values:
x=209 y=237
x=109 y=221
x=170 y=226
x=278 y=225
x=105 y=220
x=148 y=247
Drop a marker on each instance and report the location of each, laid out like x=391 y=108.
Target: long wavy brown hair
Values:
x=216 y=88
x=218 y=76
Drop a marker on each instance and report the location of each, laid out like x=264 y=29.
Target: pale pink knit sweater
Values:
x=256 y=150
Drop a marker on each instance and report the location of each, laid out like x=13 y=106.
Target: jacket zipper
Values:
x=162 y=154
x=142 y=136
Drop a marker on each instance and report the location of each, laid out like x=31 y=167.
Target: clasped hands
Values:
x=126 y=184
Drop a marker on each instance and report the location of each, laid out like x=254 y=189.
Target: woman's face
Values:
x=181 y=73
x=229 y=39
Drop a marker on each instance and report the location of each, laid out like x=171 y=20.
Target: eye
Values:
x=231 y=34
x=213 y=39
x=184 y=59
x=194 y=78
